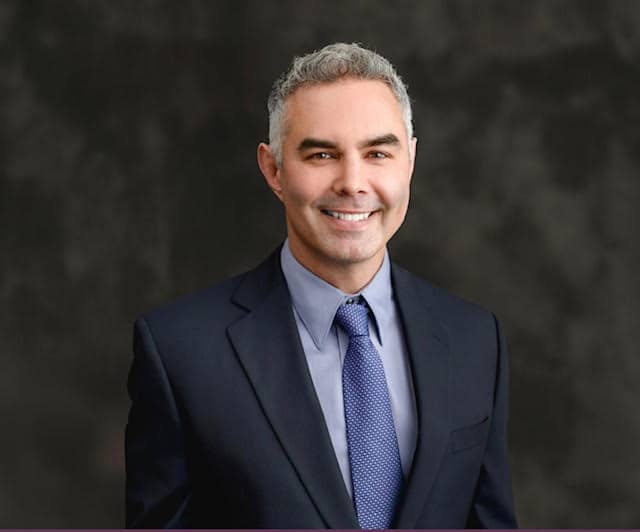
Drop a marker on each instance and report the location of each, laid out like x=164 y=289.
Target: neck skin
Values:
x=350 y=277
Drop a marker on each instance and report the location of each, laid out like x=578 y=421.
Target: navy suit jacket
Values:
x=225 y=429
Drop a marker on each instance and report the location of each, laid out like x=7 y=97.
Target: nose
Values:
x=351 y=178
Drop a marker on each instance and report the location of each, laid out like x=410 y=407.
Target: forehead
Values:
x=347 y=108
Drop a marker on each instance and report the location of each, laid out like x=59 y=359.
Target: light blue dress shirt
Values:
x=315 y=303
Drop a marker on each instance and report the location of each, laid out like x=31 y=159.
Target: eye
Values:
x=322 y=155
x=378 y=155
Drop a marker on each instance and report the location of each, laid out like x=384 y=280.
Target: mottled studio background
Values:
x=127 y=177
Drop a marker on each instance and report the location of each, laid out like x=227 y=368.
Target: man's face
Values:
x=345 y=173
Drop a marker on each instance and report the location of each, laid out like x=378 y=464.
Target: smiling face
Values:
x=344 y=177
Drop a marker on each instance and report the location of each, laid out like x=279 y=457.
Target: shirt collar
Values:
x=317 y=302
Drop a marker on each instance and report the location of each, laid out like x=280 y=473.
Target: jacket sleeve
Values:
x=493 y=500
x=157 y=483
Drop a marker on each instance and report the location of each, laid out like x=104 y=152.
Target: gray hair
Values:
x=331 y=63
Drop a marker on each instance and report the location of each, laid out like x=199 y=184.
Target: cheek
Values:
x=396 y=196
x=298 y=197
x=294 y=189
x=302 y=191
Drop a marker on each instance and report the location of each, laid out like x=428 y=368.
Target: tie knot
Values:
x=354 y=319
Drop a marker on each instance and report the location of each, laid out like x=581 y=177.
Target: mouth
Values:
x=348 y=216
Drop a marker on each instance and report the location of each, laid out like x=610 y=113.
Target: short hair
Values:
x=332 y=63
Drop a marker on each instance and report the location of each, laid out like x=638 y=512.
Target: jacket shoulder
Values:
x=450 y=308
x=206 y=304
x=218 y=305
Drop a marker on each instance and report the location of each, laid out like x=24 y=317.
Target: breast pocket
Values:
x=470 y=436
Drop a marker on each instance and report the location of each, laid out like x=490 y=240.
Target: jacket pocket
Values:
x=470 y=436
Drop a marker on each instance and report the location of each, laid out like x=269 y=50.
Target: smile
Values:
x=350 y=217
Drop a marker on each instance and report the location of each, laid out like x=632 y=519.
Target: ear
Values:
x=269 y=169
x=412 y=154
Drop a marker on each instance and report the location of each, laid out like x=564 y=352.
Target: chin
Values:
x=353 y=253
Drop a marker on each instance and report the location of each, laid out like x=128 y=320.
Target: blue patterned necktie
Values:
x=376 y=474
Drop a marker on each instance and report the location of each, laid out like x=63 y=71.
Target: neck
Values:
x=349 y=277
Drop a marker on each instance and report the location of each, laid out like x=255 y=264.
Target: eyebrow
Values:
x=311 y=143
x=389 y=138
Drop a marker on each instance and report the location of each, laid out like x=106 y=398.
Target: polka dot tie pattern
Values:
x=376 y=473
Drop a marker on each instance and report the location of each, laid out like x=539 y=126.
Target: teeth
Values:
x=349 y=217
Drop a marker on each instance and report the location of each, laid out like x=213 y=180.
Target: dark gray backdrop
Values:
x=128 y=132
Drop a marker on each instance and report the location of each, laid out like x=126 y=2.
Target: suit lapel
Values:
x=267 y=343
x=428 y=347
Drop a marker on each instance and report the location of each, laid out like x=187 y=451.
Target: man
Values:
x=327 y=388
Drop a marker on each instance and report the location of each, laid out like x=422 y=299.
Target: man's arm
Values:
x=493 y=500
x=157 y=487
